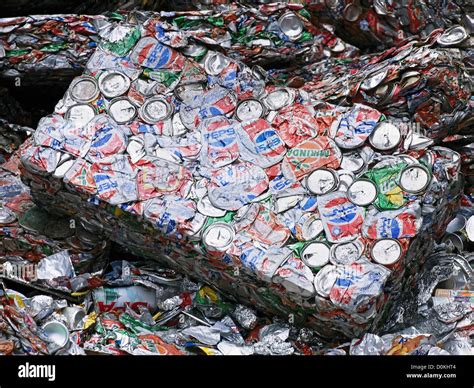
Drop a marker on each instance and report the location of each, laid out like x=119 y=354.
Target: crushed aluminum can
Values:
x=362 y=192
x=322 y=181
x=315 y=254
x=84 y=89
x=113 y=84
x=386 y=252
x=342 y=220
x=218 y=236
x=122 y=110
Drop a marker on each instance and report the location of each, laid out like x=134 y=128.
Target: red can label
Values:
x=342 y=220
x=311 y=155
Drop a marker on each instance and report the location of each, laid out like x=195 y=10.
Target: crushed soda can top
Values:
x=84 y=89
x=386 y=251
x=113 y=83
x=415 y=178
x=362 y=192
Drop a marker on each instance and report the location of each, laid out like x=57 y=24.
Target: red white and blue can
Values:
x=342 y=220
x=401 y=223
x=260 y=143
x=219 y=141
x=150 y=53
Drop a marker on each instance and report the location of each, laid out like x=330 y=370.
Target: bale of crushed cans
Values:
x=268 y=35
x=47 y=49
x=380 y=24
x=420 y=84
x=319 y=213
x=43 y=49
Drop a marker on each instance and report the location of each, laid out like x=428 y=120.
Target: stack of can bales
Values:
x=380 y=24
x=251 y=188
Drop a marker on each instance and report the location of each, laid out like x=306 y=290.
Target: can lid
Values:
x=283 y=203
x=409 y=79
x=362 y=192
x=84 y=89
x=291 y=25
x=322 y=181
x=452 y=36
x=402 y=54
x=386 y=251
x=346 y=252
x=380 y=7
x=215 y=63
x=352 y=12
x=339 y=47
x=453 y=240
x=218 y=236
x=373 y=80
x=420 y=142
x=470 y=229
x=187 y=92
x=195 y=226
x=249 y=110
x=279 y=98
x=457 y=224
x=259 y=72
x=325 y=279
x=205 y=207
x=113 y=83
x=311 y=228
x=352 y=161
x=345 y=179
x=80 y=114
x=178 y=127
x=122 y=110
x=155 y=109
x=315 y=254
x=6 y=216
x=246 y=216
x=408 y=159
x=59 y=229
x=385 y=136
x=414 y=178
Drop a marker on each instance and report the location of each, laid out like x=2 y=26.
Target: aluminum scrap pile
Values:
x=188 y=318
x=425 y=84
x=308 y=210
x=55 y=46
x=29 y=235
x=61 y=45
x=437 y=314
x=232 y=155
x=380 y=24
x=268 y=35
